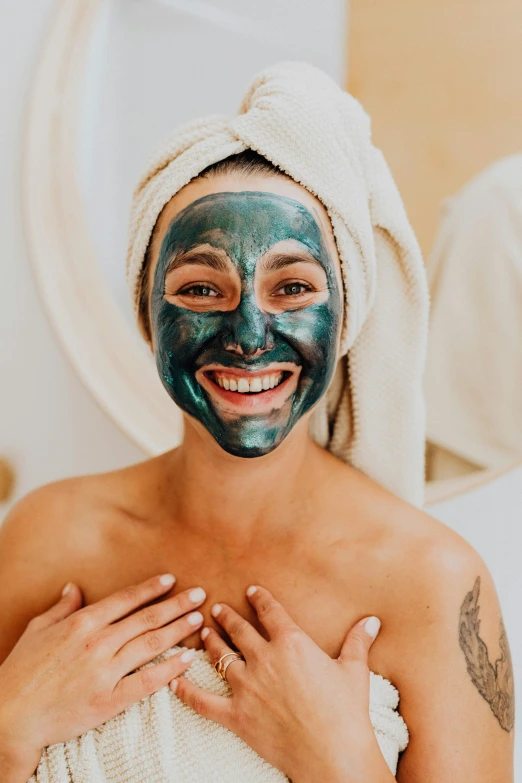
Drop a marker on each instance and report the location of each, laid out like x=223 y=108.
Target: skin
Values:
x=330 y=546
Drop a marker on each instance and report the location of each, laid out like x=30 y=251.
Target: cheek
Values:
x=180 y=334
x=313 y=332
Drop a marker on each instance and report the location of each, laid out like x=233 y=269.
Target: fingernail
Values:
x=67 y=588
x=204 y=633
x=251 y=590
x=187 y=656
x=197 y=595
x=216 y=609
x=173 y=685
x=167 y=579
x=372 y=626
x=195 y=618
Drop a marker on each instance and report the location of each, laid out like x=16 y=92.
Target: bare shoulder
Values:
x=422 y=560
x=448 y=653
x=439 y=576
x=435 y=592
x=442 y=569
x=52 y=534
x=442 y=641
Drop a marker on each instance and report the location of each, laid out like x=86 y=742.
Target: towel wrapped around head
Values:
x=299 y=119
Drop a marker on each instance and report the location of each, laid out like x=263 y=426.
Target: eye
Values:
x=293 y=289
x=200 y=291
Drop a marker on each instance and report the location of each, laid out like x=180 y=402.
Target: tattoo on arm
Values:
x=493 y=682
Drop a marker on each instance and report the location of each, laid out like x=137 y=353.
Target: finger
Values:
x=151 y=679
x=157 y=615
x=216 y=648
x=271 y=614
x=244 y=635
x=70 y=601
x=359 y=640
x=145 y=647
x=124 y=601
x=216 y=708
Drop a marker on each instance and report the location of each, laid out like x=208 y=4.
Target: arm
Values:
x=36 y=557
x=456 y=685
x=68 y=669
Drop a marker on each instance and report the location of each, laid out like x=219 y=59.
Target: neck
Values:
x=222 y=496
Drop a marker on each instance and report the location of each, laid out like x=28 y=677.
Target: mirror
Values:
x=106 y=61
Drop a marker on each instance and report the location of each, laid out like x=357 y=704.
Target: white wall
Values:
x=50 y=427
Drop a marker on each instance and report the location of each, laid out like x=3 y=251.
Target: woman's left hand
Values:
x=302 y=711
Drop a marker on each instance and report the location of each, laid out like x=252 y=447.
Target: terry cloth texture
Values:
x=301 y=121
x=161 y=740
x=474 y=367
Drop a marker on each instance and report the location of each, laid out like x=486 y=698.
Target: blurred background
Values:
x=147 y=65
x=440 y=81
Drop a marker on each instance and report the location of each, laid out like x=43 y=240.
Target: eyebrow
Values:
x=204 y=255
x=272 y=262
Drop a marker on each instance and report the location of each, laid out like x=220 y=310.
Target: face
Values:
x=246 y=311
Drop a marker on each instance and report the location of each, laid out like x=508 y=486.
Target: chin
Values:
x=250 y=447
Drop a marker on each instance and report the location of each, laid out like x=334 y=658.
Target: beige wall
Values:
x=442 y=81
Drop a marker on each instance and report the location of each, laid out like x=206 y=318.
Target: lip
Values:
x=255 y=404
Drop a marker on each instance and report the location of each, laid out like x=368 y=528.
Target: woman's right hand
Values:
x=74 y=668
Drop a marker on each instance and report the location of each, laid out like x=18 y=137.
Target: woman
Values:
x=279 y=291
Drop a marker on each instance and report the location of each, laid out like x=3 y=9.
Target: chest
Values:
x=324 y=597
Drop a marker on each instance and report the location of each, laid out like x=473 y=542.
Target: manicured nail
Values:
x=187 y=656
x=251 y=590
x=372 y=626
x=197 y=595
x=195 y=618
x=204 y=633
x=167 y=579
x=67 y=588
x=173 y=685
x=216 y=609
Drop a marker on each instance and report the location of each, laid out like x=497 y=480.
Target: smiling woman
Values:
x=283 y=296
x=246 y=289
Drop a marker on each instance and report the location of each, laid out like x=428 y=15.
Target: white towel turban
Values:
x=299 y=119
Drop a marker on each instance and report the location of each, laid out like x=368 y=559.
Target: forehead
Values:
x=243 y=224
x=266 y=209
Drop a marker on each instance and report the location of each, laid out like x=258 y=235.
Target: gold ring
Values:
x=221 y=666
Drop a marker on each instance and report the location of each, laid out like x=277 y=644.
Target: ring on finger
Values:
x=222 y=665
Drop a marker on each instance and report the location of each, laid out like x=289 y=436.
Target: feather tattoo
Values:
x=493 y=682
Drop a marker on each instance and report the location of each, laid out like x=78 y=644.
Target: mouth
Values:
x=244 y=384
x=242 y=392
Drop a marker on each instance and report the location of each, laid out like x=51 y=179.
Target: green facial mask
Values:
x=245 y=225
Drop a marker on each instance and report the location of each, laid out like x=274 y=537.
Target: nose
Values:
x=248 y=331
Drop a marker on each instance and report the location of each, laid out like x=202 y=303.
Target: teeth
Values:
x=243 y=386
